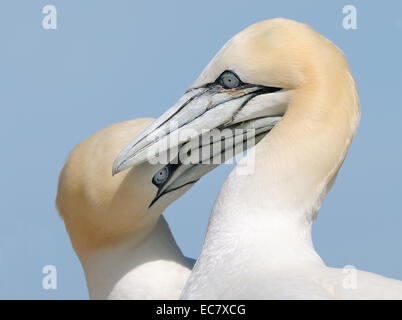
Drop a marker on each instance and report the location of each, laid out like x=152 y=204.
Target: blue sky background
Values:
x=111 y=61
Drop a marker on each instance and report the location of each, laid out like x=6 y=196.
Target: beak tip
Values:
x=117 y=167
x=121 y=164
x=115 y=171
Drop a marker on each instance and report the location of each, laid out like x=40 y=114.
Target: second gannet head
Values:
x=276 y=71
x=270 y=70
x=114 y=222
x=101 y=210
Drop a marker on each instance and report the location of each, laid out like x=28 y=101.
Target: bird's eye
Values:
x=161 y=176
x=229 y=80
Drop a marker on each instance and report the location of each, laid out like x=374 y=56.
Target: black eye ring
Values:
x=229 y=80
x=161 y=176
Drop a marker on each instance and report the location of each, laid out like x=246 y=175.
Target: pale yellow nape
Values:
x=100 y=210
x=323 y=110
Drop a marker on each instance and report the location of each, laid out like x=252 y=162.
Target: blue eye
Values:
x=161 y=176
x=229 y=80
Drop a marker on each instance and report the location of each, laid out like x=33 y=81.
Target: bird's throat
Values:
x=151 y=269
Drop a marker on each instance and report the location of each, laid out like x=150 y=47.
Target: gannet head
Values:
x=99 y=209
x=267 y=73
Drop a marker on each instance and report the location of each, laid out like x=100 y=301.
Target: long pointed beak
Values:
x=199 y=111
x=236 y=140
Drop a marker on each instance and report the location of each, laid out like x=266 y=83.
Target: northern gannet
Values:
x=258 y=242
x=124 y=244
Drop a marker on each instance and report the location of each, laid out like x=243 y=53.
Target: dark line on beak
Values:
x=233 y=146
x=158 y=196
x=163 y=193
x=183 y=105
x=263 y=90
x=207 y=88
x=212 y=107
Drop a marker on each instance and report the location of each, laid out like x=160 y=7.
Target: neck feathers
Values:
x=295 y=166
x=152 y=269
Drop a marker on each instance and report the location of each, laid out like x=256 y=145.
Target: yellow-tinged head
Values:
x=97 y=208
x=100 y=209
x=272 y=69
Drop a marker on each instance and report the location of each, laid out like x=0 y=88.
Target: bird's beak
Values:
x=198 y=112
x=236 y=140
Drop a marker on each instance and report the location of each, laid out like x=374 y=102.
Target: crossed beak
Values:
x=199 y=112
